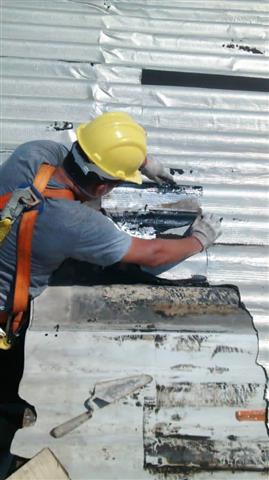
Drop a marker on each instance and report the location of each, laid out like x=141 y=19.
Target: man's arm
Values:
x=157 y=252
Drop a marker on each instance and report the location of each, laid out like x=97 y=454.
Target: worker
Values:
x=109 y=150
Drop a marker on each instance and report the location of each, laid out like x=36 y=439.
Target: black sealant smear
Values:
x=165 y=187
x=59 y=126
x=246 y=48
x=176 y=170
x=159 y=221
x=204 y=80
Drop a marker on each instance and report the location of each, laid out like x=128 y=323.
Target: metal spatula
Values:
x=104 y=394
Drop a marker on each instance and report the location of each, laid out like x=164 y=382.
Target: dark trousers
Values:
x=12 y=407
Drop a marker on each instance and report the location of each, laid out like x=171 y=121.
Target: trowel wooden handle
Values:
x=70 y=425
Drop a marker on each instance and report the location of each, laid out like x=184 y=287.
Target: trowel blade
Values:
x=112 y=390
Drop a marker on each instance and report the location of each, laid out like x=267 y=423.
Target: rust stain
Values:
x=190 y=205
x=174 y=309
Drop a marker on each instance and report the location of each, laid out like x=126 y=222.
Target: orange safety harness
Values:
x=13 y=320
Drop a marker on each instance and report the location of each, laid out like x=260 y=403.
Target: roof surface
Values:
x=70 y=60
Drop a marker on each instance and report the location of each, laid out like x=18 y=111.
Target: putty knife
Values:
x=104 y=394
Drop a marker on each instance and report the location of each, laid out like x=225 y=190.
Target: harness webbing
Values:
x=60 y=193
x=24 y=244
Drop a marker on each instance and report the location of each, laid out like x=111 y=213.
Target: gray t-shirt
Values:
x=65 y=229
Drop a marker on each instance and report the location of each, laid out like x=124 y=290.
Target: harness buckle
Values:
x=4 y=342
x=5 y=227
x=23 y=198
x=34 y=198
x=7 y=336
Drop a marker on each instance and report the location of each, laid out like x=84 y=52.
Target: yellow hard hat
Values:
x=116 y=144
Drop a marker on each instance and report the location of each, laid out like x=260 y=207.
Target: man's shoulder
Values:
x=41 y=145
x=73 y=220
x=79 y=216
x=24 y=162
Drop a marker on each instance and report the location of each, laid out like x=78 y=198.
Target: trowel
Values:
x=104 y=393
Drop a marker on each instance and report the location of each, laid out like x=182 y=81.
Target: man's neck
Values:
x=63 y=178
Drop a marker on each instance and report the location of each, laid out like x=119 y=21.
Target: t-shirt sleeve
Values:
x=97 y=238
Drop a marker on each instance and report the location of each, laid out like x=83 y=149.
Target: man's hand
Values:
x=206 y=228
x=155 y=171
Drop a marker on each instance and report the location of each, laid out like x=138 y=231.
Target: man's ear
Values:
x=101 y=189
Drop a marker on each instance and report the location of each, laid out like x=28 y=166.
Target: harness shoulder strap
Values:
x=59 y=193
x=49 y=192
x=24 y=243
x=24 y=248
x=25 y=236
x=4 y=199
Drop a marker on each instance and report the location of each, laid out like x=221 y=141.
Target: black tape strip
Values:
x=204 y=80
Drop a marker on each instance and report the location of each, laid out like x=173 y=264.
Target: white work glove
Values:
x=206 y=228
x=155 y=171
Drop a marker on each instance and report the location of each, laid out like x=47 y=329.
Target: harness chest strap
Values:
x=60 y=193
x=24 y=242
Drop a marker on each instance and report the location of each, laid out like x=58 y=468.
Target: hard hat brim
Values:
x=136 y=178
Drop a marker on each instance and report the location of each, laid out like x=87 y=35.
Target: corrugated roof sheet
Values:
x=212 y=38
x=31 y=27
x=67 y=60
